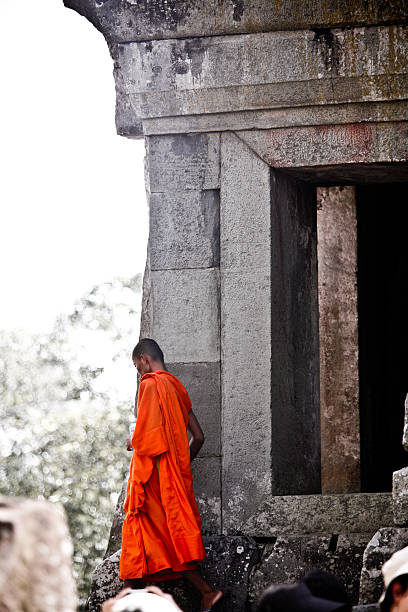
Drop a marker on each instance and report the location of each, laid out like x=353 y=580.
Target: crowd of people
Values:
x=318 y=591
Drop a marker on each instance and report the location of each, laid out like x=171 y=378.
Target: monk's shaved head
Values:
x=147 y=346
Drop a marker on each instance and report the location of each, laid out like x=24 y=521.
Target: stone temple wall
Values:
x=259 y=120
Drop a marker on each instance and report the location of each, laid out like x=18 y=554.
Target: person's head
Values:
x=395 y=575
x=326 y=585
x=294 y=598
x=150 y=599
x=147 y=356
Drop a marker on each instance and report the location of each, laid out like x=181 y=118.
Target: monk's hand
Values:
x=109 y=603
x=129 y=447
x=154 y=589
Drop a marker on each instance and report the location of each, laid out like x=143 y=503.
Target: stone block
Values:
x=278 y=118
x=186 y=314
x=400 y=496
x=383 y=544
x=202 y=381
x=123 y=20
x=245 y=330
x=289 y=558
x=229 y=563
x=338 y=335
x=321 y=514
x=184 y=229
x=115 y=536
x=146 y=315
x=183 y=162
x=260 y=71
x=295 y=406
x=207 y=490
x=330 y=144
x=105 y=582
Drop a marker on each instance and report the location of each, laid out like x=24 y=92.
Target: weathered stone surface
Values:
x=105 y=582
x=245 y=330
x=185 y=161
x=277 y=118
x=289 y=558
x=207 y=490
x=380 y=548
x=228 y=564
x=274 y=70
x=146 y=315
x=338 y=333
x=186 y=314
x=332 y=144
x=115 y=536
x=184 y=229
x=35 y=557
x=300 y=514
x=405 y=434
x=143 y=20
x=295 y=413
x=202 y=381
x=400 y=496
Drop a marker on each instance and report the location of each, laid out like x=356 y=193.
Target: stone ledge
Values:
x=329 y=114
x=279 y=69
x=400 y=496
x=365 y=143
x=131 y=20
x=382 y=545
x=320 y=514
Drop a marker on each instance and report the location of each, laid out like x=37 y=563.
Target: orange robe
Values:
x=161 y=534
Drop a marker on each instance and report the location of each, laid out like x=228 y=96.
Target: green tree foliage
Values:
x=66 y=400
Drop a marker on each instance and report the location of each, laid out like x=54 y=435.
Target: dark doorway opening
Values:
x=382 y=259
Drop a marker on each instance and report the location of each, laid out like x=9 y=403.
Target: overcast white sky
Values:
x=73 y=211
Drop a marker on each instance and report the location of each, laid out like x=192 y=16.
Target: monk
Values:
x=161 y=536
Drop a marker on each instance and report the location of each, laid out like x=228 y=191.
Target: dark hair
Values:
x=387 y=602
x=272 y=596
x=147 y=346
x=327 y=586
x=295 y=598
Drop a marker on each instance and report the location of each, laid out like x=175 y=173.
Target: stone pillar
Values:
x=294 y=337
x=339 y=384
x=245 y=331
x=183 y=187
x=269 y=347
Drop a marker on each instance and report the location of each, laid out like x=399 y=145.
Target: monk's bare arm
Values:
x=197 y=435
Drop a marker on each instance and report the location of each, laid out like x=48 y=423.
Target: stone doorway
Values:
x=363 y=334
x=383 y=330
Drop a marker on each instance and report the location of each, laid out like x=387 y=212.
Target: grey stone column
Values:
x=269 y=346
x=340 y=422
x=245 y=331
x=294 y=336
x=183 y=185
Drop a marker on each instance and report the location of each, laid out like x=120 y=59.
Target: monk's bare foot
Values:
x=209 y=599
